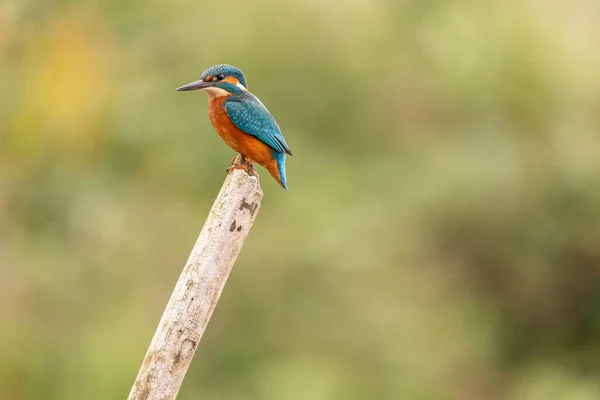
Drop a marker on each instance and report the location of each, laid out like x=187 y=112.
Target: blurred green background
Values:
x=440 y=238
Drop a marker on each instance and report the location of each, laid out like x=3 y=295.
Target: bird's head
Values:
x=220 y=80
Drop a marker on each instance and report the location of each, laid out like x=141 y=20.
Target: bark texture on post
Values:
x=198 y=289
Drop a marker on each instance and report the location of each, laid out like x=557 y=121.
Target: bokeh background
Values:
x=440 y=238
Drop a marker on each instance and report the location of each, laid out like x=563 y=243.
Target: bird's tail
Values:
x=277 y=168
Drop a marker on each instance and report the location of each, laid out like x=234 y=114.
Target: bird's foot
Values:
x=246 y=165
x=240 y=159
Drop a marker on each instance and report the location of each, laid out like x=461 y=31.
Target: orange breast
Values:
x=252 y=148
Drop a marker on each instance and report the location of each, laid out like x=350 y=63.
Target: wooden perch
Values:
x=198 y=289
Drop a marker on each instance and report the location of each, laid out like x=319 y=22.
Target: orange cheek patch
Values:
x=232 y=79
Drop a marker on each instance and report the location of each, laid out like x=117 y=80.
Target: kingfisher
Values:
x=242 y=121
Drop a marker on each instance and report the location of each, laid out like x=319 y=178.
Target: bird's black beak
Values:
x=199 y=84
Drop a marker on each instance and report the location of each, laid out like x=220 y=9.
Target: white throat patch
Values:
x=216 y=92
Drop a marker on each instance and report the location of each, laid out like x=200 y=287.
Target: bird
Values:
x=242 y=121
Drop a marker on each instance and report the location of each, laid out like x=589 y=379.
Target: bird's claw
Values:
x=246 y=166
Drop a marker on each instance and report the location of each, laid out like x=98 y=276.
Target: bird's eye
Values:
x=220 y=77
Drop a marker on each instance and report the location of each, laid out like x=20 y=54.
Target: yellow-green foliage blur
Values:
x=440 y=238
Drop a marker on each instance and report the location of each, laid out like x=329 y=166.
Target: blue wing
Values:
x=251 y=116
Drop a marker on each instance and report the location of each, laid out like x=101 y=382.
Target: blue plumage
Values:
x=251 y=116
x=227 y=70
x=280 y=157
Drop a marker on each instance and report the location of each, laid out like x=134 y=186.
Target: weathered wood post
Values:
x=198 y=289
